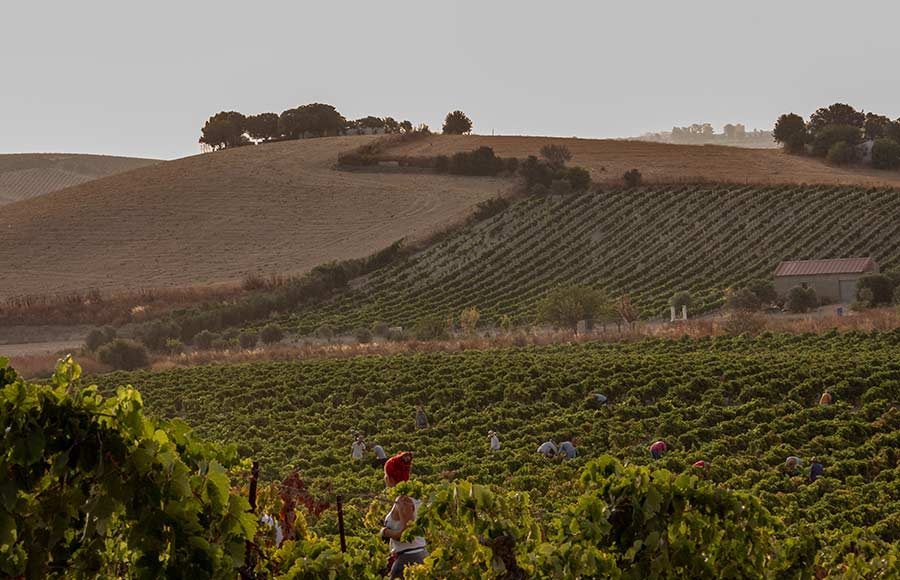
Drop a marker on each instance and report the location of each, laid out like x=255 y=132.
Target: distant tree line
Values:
x=232 y=129
x=703 y=134
x=840 y=134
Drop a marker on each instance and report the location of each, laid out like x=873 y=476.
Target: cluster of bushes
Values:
x=836 y=134
x=549 y=173
x=755 y=295
x=482 y=161
x=233 y=129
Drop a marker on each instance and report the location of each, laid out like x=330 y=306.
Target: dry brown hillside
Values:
x=609 y=159
x=27 y=175
x=213 y=218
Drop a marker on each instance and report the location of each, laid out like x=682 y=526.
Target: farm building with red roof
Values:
x=834 y=279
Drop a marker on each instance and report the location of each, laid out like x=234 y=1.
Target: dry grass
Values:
x=880 y=319
x=885 y=319
x=215 y=218
x=96 y=308
x=27 y=175
x=608 y=159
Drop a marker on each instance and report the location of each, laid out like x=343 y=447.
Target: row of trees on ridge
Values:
x=841 y=134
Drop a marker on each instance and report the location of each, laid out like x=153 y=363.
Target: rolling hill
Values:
x=609 y=159
x=27 y=175
x=649 y=242
x=282 y=207
x=213 y=218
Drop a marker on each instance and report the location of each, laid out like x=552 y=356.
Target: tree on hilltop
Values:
x=791 y=132
x=263 y=126
x=223 y=130
x=316 y=118
x=836 y=114
x=457 y=123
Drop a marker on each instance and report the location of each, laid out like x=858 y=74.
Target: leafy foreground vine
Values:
x=94 y=488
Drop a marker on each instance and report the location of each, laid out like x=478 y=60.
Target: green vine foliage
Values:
x=94 y=488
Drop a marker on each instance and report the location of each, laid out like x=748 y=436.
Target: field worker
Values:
x=402 y=514
x=494 y=441
x=567 y=449
x=816 y=470
x=358 y=449
x=380 y=456
x=793 y=463
x=702 y=467
x=548 y=449
x=421 y=418
x=273 y=525
x=826 y=398
x=657 y=449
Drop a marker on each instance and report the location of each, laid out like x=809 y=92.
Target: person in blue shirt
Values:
x=816 y=470
x=568 y=450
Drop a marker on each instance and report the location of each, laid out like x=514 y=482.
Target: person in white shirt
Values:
x=494 y=440
x=548 y=449
x=402 y=514
x=358 y=449
x=380 y=456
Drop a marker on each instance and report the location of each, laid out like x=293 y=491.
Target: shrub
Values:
x=579 y=178
x=381 y=329
x=174 y=346
x=431 y=328
x=885 y=154
x=764 y=290
x=511 y=165
x=538 y=190
x=840 y=154
x=231 y=334
x=99 y=337
x=680 y=299
x=124 y=355
x=897 y=295
x=481 y=161
x=155 y=334
x=534 y=171
x=457 y=123
x=556 y=155
x=205 y=339
x=560 y=187
x=833 y=134
x=800 y=299
x=880 y=286
x=565 y=307
x=325 y=332
x=468 y=320
x=743 y=299
x=632 y=178
x=271 y=333
x=363 y=335
x=442 y=164
x=248 y=339
x=222 y=343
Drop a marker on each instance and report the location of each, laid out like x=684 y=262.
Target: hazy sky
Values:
x=140 y=78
